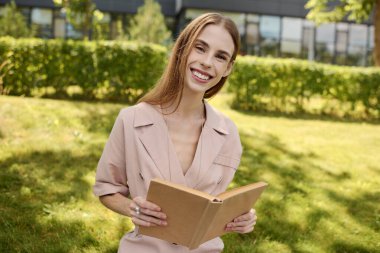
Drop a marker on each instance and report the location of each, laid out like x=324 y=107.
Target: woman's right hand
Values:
x=145 y=213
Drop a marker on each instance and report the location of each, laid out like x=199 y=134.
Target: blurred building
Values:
x=275 y=28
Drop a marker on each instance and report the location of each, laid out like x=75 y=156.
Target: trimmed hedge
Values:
x=122 y=70
x=291 y=86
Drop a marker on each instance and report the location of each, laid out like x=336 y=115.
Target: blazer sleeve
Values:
x=111 y=174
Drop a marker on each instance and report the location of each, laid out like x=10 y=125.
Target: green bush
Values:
x=119 y=70
x=123 y=71
x=294 y=86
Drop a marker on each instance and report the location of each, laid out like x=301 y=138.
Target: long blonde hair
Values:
x=170 y=86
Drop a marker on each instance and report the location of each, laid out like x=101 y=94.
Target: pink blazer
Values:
x=138 y=150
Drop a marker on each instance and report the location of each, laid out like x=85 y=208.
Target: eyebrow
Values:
x=204 y=43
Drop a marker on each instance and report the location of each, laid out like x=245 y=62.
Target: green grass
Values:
x=324 y=178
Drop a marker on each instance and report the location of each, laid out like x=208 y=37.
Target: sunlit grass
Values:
x=324 y=179
x=48 y=154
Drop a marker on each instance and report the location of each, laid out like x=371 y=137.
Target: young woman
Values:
x=174 y=134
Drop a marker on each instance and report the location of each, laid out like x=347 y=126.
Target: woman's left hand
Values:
x=244 y=223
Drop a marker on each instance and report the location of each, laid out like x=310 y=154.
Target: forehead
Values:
x=218 y=38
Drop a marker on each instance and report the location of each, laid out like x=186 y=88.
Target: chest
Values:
x=185 y=139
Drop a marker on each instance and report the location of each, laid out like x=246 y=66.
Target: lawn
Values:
x=324 y=177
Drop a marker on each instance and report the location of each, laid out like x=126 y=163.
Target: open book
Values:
x=195 y=217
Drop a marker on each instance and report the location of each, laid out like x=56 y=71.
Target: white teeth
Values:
x=201 y=76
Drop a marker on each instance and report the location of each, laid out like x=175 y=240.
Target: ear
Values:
x=229 y=69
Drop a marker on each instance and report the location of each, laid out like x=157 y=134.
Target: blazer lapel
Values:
x=212 y=139
x=148 y=126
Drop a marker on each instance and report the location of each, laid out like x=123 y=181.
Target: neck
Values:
x=191 y=106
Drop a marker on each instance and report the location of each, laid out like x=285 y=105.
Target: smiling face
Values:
x=209 y=59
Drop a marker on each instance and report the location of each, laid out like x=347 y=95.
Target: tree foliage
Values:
x=148 y=25
x=82 y=14
x=12 y=23
x=324 y=11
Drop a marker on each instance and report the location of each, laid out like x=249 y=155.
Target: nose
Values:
x=206 y=60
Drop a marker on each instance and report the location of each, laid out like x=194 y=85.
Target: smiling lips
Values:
x=200 y=75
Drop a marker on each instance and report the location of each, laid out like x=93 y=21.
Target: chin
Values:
x=198 y=88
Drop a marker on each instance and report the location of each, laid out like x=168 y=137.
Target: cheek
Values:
x=193 y=56
x=222 y=68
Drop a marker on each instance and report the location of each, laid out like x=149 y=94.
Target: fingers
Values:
x=241 y=227
x=145 y=213
x=250 y=216
x=244 y=223
x=142 y=203
x=148 y=221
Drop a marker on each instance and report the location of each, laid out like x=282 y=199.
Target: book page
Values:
x=230 y=193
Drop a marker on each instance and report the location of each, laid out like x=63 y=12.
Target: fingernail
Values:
x=164 y=223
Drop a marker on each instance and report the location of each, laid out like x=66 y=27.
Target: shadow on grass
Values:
x=364 y=209
x=264 y=155
x=52 y=169
x=350 y=248
x=32 y=180
x=100 y=121
x=375 y=169
x=82 y=97
x=28 y=182
x=308 y=116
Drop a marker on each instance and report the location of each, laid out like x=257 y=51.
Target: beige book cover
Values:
x=195 y=217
